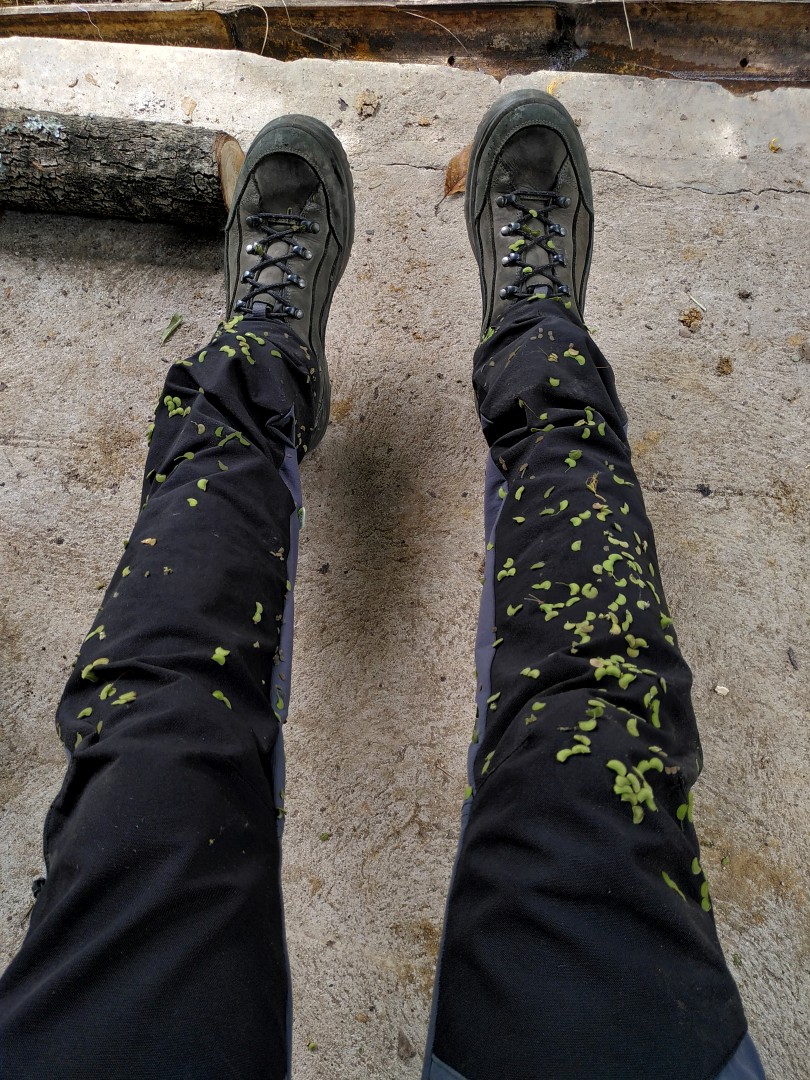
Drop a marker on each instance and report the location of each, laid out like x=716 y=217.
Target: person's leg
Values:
x=579 y=941
x=156 y=945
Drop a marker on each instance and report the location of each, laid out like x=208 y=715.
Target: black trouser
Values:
x=579 y=940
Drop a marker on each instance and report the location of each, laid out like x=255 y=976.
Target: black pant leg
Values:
x=156 y=945
x=579 y=941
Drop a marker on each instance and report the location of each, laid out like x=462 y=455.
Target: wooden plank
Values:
x=745 y=42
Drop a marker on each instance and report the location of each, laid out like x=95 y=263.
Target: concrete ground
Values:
x=693 y=208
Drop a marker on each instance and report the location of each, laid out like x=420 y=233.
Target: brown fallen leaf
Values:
x=150 y=540
x=774 y=146
x=89 y=78
x=230 y=156
x=188 y=105
x=455 y=175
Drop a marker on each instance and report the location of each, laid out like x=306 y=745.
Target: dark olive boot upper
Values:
x=529 y=205
x=289 y=234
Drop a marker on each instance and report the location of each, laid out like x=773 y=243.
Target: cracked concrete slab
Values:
x=693 y=211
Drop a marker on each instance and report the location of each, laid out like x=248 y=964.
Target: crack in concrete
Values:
x=410 y=165
x=693 y=187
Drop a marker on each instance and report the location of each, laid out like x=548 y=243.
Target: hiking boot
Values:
x=289 y=234
x=529 y=205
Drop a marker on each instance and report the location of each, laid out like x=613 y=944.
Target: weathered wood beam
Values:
x=745 y=41
x=132 y=169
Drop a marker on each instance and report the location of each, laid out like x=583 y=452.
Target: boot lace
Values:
x=534 y=230
x=277 y=228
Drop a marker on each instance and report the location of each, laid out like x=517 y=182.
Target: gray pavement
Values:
x=693 y=210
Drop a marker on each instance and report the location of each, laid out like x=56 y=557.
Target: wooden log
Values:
x=135 y=169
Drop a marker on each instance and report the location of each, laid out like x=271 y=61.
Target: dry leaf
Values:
x=230 y=156
x=455 y=176
x=150 y=540
x=188 y=105
x=774 y=146
x=89 y=78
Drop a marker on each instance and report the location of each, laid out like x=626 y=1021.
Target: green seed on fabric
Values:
x=542 y=585
x=617 y=766
x=257 y=617
x=537 y=566
x=672 y=884
x=220 y=655
x=202 y=355
x=78 y=740
x=229 y=352
x=99 y=726
x=276 y=353
x=160 y=478
x=218 y=431
x=487 y=762
x=98 y=632
x=570 y=751
x=586 y=433
x=577 y=545
x=696 y=867
x=587 y=725
x=88 y=673
x=202 y=484
x=513 y=610
x=583 y=739
x=108 y=691
x=200 y=429
x=126 y=572
x=547 y=494
x=518 y=520
x=191 y=502
x=467 y=792
x=125 y=699
x=553 y=382
x=221 y=697
x=531 y=672
x=84 y=713
x=632 y=726
x=519 y=494
x=590 y=591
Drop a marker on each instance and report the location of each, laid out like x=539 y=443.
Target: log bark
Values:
x=103 y=167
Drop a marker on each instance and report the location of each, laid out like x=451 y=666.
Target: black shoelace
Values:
x=534 y=230
x=277 y=228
